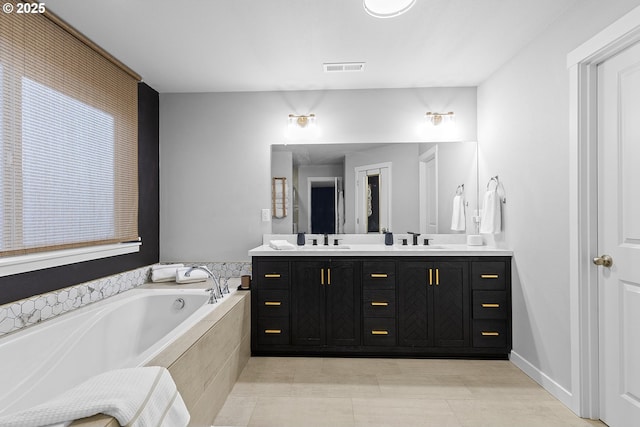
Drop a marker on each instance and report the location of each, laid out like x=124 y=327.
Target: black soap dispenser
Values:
x=301 y=239
x=388 y=238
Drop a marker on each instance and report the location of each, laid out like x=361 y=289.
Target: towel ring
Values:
x=495 y=179
x=460 y=190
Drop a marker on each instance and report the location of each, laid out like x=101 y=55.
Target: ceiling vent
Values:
x=343 y=67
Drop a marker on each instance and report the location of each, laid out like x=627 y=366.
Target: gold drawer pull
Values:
x=490 y=305
x=488 y=276
x=273 y=303
x=379 y=304
x=272 y=331
x=379 y=275
x=377 y=332
x=490 y=334
x=272 y=276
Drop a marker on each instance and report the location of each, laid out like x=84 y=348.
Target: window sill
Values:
x=39 y=261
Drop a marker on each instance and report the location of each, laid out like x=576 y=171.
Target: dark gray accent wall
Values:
x=19 y=286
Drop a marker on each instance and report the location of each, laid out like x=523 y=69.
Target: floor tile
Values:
x=302 y=411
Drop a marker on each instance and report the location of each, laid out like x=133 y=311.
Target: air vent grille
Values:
x=343 y=67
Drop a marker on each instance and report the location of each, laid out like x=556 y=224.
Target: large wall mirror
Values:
x=372 y=188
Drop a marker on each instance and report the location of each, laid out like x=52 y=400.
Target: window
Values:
x=68 y=140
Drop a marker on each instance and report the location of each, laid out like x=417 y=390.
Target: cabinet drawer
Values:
x=489 y=304
x=273 y=331
x=489 y=333
x=273 y=275
x=379 y=303
x=379 y=275
x=273 y=303
x=488 y=275
x=379 y=331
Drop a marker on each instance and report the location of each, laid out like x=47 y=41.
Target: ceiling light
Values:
x=387 y=8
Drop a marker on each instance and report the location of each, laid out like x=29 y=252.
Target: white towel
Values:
x=194 y=276
x=491 y=222
x=281 y=245
x=164 y=272
x=136 y=397
x=458 y=219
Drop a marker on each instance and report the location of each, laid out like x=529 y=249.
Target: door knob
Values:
x=604 y=260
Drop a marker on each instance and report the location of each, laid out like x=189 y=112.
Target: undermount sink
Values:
x=324 y=248
x=419 y=247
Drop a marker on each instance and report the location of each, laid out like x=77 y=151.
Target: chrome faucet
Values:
x=215 y=291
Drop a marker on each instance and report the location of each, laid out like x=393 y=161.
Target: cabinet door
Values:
x=451 y=304
x=307 y=303
x=414 y=317
x=343 y=304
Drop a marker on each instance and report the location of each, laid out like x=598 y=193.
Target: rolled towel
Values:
x=164 y=272
x=194 y=276
x=281 y=245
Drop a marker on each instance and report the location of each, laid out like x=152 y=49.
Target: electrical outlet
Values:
x=266 y=215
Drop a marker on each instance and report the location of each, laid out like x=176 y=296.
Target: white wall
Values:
x=282 y=167
x=523 y=136
x=215 y=154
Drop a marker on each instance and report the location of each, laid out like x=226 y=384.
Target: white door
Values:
x=619 y=237
x=428 y=197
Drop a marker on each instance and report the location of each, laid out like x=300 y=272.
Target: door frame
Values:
x=324 y=180
x=582 y=63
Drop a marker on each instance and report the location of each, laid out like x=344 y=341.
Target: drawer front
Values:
x=488 y=275
x=273 y=331
x=273 y=275
x=273 y=303
x=379 y=303
x=489 y=304
x=379 y=331
x=379 y=275
x=489 y=333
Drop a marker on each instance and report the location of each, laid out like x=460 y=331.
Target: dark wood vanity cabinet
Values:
x=385 y=306
x=325 y=298
x=433 y=304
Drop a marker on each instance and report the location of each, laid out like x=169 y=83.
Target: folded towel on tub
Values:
x=135 y=397
x=194 y=275
x=164 y=272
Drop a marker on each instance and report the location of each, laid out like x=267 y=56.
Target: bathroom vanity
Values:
x=376 y=300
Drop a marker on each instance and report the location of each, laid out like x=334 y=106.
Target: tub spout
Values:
x=215 y=290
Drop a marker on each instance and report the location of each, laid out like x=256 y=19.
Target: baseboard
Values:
x=559 y=392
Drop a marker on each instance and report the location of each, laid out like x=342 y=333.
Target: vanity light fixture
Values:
x=302 y=121
x=387 y=8
x=301 y=127
x=437 y=119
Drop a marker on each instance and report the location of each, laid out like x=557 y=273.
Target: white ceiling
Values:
x=260 y=45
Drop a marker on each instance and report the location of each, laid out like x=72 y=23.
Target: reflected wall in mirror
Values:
x=372 y=188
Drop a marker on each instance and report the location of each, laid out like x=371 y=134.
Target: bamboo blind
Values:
x=68 y=140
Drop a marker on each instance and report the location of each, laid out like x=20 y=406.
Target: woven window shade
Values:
x=68 y=140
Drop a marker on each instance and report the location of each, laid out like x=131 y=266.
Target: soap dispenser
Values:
x=388 y=238
x=301 y=239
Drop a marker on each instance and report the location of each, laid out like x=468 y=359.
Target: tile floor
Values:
x=301 y=392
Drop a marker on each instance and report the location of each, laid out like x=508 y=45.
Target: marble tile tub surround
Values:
x=30 y=311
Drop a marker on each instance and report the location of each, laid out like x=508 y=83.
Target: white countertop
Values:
x=382 y=250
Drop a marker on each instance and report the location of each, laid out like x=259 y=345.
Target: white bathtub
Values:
x=126 y=330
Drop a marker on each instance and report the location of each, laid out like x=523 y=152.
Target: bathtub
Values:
x=126 y=330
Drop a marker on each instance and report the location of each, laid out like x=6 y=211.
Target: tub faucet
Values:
x=215 y=291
